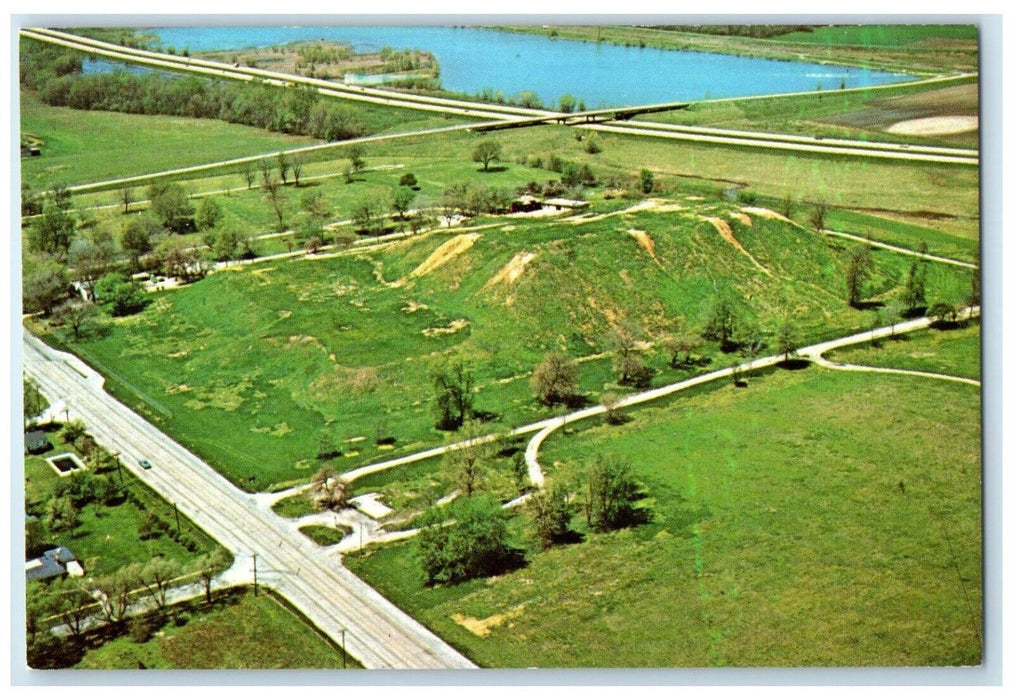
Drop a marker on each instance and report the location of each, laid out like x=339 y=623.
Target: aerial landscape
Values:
x=534 y=346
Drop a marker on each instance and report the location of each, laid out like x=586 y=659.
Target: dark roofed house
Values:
x=36 y=441
x=54 y=562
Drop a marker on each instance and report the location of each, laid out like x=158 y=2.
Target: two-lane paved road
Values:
x=377 y=633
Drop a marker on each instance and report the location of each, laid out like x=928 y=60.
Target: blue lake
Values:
x=601 y=75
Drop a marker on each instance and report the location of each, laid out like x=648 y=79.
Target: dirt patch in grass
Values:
x=726 y=232
x=766 y=214
x=645 y=241
x=456 y=325
x=482 y=628
x=742 y=218
x=445 y=253
x=511 y=271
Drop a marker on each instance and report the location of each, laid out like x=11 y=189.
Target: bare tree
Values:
x=156 y=577
x=274 y=195
x=297 y=163
x=329 y=491
x=127 y=197
x=466 y=464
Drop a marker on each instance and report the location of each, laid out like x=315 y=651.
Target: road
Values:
x=378 y=634
x=511 y=113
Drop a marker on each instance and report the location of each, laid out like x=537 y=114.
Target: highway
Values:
x=505 y=116
x=377 y=633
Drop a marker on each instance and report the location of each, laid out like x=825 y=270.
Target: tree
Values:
x=818 y=215
x=787 y=339
x=913 y=295
x=486 y=152
x=684 y=345
x=31 y=201
x=52 y=232
x=127 y=197
x=329 y=491
x=137 y=236
x=276 y=198
x=33 y=401
x=401 y=201
x=157 y=576
x=974 y=297
x=72 y=604
x=91 y=258
x=115 y=590
x=623 y=341
x=610 y=402
x=551 y=513
x=721 y=323
x=567 y=103
x=408 y=180
x=943 y=312
x=355 y=160
x=453 y=399
x=61 y=197
x=123 y=295
x=249 y=172
x=78 y=314
x=209 y=213
x=208 y=567
x=368 y=217
x=472 y=544
x=171 y=204
x=787 y=206
x=859 y=271
x=555 y=379
x=283 y=166
x=466 y=464
x=646 y=181
x=44 y=284
x=62 y=515
x=612 y=494
x=297 y=163
x=316 y=205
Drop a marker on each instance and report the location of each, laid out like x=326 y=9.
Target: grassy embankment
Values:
x=905 y=48
x=278 y=354
x=814 y=518
x=106 y=538
x=239 y=631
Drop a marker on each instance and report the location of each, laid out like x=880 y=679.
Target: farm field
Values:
x=777 y=538
x=278 y=355
x=239 y=631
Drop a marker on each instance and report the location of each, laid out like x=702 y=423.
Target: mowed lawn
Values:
x=815 y=518
x=241 y=632
x=953 y=352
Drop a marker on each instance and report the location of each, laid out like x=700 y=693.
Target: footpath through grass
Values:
x=815 y=518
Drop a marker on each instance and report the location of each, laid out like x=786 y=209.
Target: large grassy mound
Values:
x=250 y=366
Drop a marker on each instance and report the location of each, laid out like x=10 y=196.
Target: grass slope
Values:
x=781 y=536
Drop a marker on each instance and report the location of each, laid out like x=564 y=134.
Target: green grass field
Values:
x=812 y=519
x=239 y=632
x=953 y=352
x=106 y=538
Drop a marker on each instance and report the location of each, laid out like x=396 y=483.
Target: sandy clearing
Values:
x=482 y=628
x=767 y=214
x=645 y=241
x=511 y=271
x=935 y=126
x=455 y=325
x=446 y=252
x=726 y=232
x=742 y=218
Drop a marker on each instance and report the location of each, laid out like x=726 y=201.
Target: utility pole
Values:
x=254 y=575
x=344 y=663
x=176 y=511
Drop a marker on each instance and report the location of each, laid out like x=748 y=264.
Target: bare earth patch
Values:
x=766 y=214
x=446 y=252
x=482 y=628
x=726 y=232
x=742 y=218
x=511 y=271
x=645 y=241
x=455 y=325
x=935 y=126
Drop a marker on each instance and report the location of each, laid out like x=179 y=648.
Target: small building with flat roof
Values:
x=36 y=442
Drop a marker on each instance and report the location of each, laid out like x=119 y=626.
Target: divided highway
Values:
x=377 y=633
x=512 y=115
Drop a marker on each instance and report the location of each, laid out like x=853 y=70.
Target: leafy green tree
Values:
x=787 y=339
x=453 y=381
x=818 y=215
x=914 y=283
x=551 y=512
x=943 y=312
x=401 y=200
x=355 y=159
x=72 y=604
x=33 y=401
x=858 y=272
x=31 y=201
x=127 y=197
x=283 y=166
x=297 y=161
x=78 y=315
x=681 y=347
x=91 y=257
x=486 y=152
x=156 y=576
x=115 y=592
x=51 y=233
x=209 y=213
x=467 y=465
x=623 y=342
x=408 y=180
x=567 y=103
x=612 y=495
x=138 y=236
x=555 y=379
x=62 y=515
x=646 y=181
x=368 y=217
x=209 y=566
x=171 y=204
x=35 y=538
x=122 y=294
x=472 y=544
x=721 y=323
x=44 y=284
